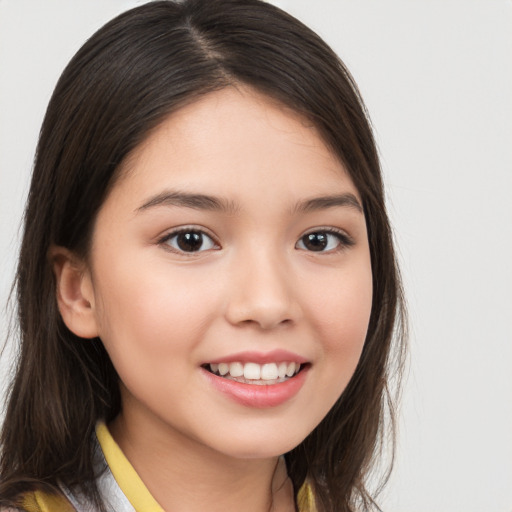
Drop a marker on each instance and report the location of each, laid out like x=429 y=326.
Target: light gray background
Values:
x=437 y=79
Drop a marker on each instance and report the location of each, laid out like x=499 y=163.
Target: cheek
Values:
x=150 y=314
x=346 y=326
x=342 y=315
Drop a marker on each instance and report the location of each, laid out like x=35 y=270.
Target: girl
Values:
x=207 y=289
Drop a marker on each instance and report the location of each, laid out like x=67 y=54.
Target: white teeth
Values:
x=269 y=372
x=223 y=368
x=252 y=371
x=236 y=369
x=290 y=370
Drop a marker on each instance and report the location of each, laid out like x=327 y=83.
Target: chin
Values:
x=262 y=447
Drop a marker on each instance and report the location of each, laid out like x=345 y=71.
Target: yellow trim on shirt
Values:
x=124 y=473
x=306 y=499
x=42 y=502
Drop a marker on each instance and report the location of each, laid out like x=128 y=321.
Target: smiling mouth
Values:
x=254 y=373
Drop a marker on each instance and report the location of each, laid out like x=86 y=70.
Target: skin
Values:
x=162 y=313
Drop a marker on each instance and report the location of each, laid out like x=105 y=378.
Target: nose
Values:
x=261 y=292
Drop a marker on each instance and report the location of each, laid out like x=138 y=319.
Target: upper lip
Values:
x=274 y=356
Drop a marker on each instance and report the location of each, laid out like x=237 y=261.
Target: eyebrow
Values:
x=188 y=200
x=213 y=203
x=325 y=202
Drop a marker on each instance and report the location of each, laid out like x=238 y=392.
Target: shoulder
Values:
x=38 y=501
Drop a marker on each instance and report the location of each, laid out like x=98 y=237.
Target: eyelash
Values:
x=343 y=240
x=184 y=231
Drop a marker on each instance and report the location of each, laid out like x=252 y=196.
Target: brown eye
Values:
x=315 y=241
x=323 y=241
x=190 y=241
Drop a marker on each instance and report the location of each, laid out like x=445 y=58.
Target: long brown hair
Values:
x=122 y=83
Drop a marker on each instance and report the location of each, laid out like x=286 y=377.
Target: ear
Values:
x=75 y=292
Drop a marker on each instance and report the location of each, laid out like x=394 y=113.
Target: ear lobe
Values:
x=75 y=293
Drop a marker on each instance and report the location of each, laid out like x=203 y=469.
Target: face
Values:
x=230 y=278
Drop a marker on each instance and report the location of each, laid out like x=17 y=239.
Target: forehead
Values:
x=234 y=137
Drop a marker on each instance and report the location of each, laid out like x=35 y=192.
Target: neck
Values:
x=185 y=475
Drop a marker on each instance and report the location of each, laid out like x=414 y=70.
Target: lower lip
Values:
x=264 y=396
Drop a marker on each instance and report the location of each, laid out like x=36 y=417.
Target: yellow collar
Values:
x=126 y=477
